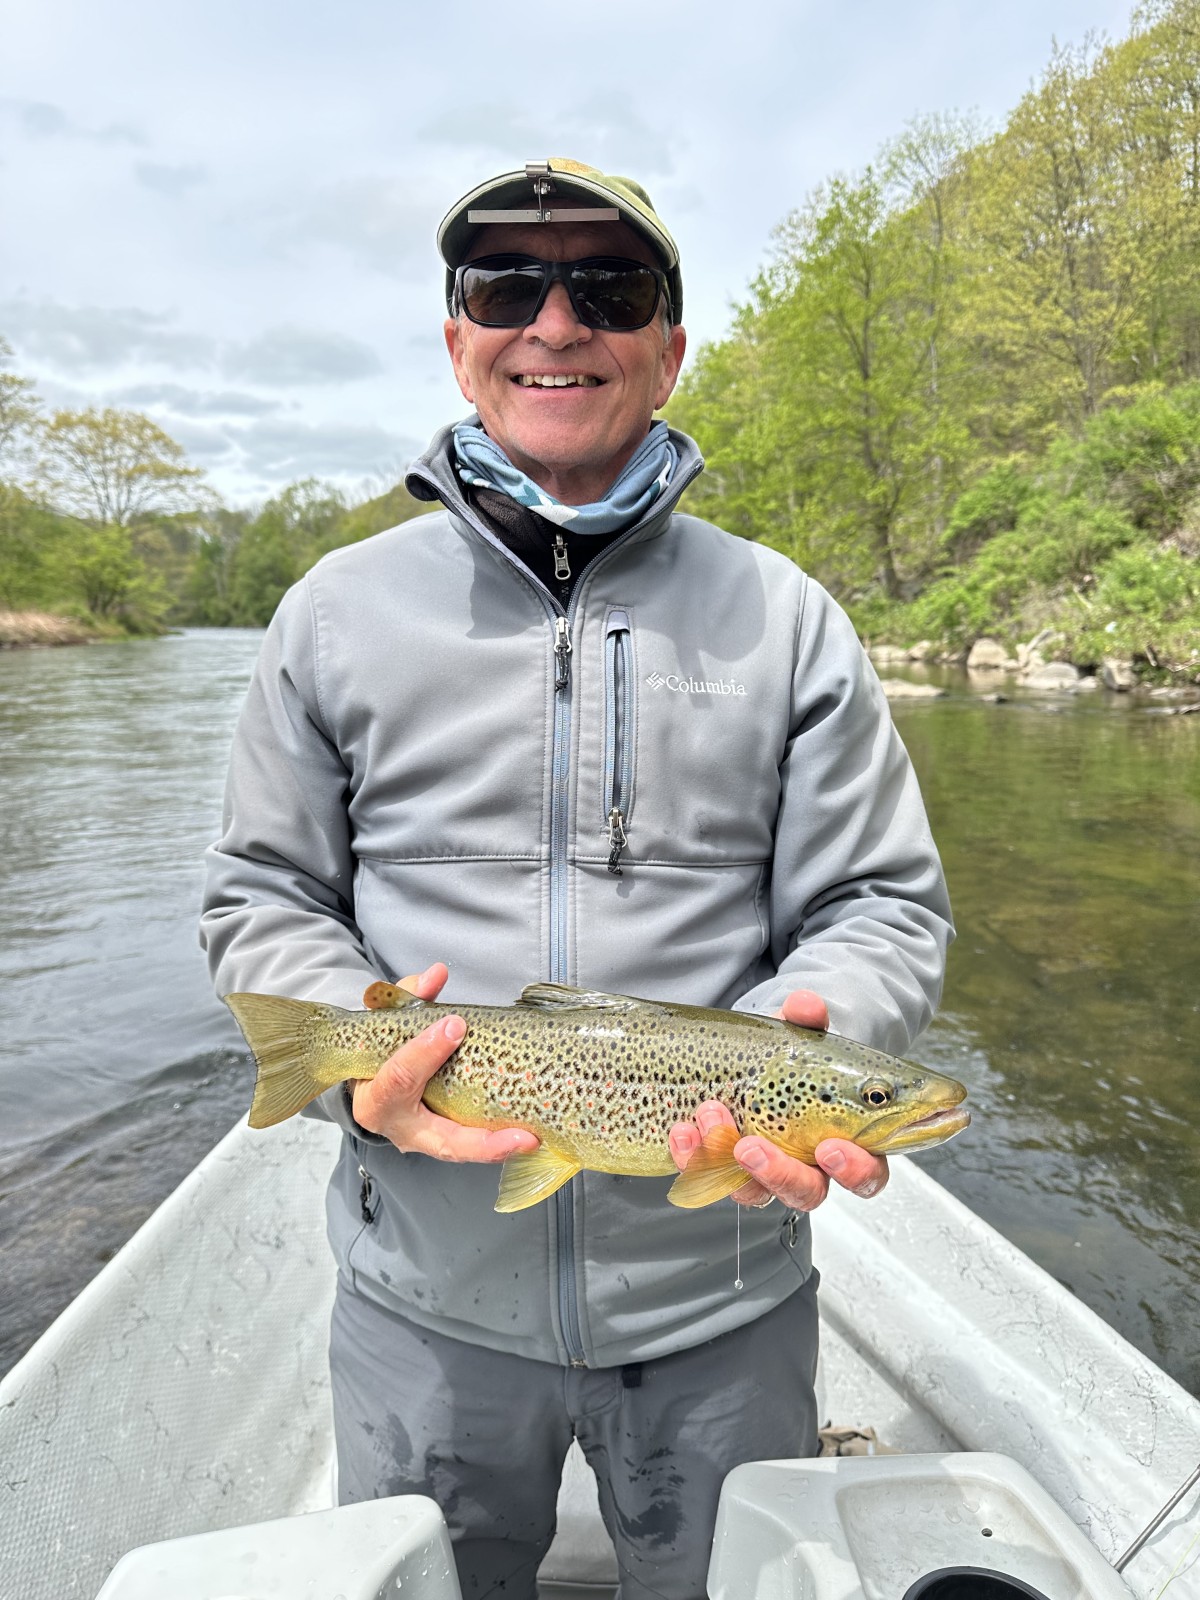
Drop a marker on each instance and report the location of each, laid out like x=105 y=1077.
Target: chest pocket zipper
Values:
x=617 y=800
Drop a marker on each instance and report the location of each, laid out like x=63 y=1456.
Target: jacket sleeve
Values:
x=858 y=906
x=278 y=913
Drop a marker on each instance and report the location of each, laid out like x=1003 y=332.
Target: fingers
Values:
x=805 y=1009
x=428 y=984
x=685 y=1138
x=400 y=1082
x=450 y=1141
x=390 y=1103
x=852 y=1167
x=800 y=1187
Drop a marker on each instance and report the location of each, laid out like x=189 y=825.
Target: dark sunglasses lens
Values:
x=501 y=297
x=614 y=295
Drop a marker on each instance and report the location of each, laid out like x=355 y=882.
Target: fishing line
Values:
x=1156 y=1523
x=737 y=1282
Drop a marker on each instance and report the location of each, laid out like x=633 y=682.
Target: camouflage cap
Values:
x=529 y=195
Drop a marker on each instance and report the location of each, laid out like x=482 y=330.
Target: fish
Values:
x=602 y=1078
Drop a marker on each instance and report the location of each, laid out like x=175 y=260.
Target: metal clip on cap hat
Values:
x=530 y=196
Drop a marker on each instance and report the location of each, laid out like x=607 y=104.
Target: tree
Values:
x=114 y=467
x=1160 y=69
x=1068 y=239
x=858 y=330
x=19 y=407
x=278 y=547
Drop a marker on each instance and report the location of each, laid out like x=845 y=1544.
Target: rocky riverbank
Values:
x=990 y=665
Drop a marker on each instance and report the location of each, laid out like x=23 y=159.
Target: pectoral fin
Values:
x=532 y=1176
x=711 y=1173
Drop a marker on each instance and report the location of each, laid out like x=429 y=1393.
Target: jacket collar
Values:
x=432 y=477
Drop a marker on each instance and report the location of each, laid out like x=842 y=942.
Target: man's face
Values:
x=572 y=441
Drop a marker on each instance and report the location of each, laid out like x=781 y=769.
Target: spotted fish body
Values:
x=601 y=1079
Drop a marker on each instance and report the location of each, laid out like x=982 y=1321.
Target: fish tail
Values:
x=286 y=1052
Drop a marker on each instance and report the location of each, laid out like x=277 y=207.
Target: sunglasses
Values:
x=605 y=292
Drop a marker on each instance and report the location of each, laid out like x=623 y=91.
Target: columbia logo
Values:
x=689 y=685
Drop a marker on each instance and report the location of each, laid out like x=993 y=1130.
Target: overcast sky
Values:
x=224 y=215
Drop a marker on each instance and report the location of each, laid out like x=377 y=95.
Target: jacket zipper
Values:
x=564 y=1200
x=618 y=735
x=568 y=1304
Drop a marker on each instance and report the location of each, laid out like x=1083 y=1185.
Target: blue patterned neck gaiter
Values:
x=484 y=465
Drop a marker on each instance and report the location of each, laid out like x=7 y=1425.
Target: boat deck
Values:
x=185 y=1389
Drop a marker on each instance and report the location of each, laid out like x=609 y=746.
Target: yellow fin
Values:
x=279 y=1033
x=711 y=1173
x=533 y=1175
x=380 y=996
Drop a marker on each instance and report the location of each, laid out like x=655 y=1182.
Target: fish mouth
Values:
x=924 y=1132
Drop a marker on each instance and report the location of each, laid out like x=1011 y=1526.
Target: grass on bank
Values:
x=23 y=629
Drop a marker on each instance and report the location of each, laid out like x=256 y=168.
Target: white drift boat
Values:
x=185 y=1390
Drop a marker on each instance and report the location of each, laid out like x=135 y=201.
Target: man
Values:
x=560 y=731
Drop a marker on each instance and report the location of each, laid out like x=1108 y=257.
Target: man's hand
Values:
x=775 y=1175
x=390 y=1103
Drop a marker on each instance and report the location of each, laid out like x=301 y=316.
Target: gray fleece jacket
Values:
x=428 y=766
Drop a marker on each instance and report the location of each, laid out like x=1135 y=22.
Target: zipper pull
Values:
x=616 y=840
x=562 y=652
x=366 y=1195
x=562 y=567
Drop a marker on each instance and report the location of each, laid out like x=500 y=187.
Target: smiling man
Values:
x=560 y=730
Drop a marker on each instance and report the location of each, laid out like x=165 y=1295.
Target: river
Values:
x=1070 y=830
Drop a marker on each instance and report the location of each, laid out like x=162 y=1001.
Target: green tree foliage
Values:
x=114 y=523
x=245 y=563
x=966 y=377
x=20 y=410
x=1097 y=543
x=114 y=467
x=846 y=437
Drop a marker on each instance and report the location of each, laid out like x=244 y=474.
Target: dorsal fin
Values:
x=382 y=996
x=562 y=997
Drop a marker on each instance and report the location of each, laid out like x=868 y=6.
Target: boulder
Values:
x=1052 y=675
x=1116 y=673
x=901 y=689
x=988 y=655
x=921 y=651
x=885 y=653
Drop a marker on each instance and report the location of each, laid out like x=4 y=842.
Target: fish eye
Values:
x=875 y=1092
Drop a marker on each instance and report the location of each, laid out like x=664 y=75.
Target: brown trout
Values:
x=602 y=1078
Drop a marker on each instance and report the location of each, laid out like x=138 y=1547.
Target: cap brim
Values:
x=511 y=191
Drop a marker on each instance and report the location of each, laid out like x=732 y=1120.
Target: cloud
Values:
x=172 y=181
x=281 y=450
x=42 y=120
x=210 y=444
x=183 y=402
x=380 y=222
x=88 y=338
x=285 y=356
x=78 y=339
x=609 y=128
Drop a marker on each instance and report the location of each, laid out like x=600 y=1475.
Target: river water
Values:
x=1070 y=830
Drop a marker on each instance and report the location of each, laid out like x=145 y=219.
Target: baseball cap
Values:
x=529 y=196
